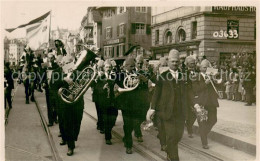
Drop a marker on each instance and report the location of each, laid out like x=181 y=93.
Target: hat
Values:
x=100 y=63
x=183 y=56
x=107 y=62
x=189 y=59
x=173 y=54
x=205 y=62
x=113 y=63
x=139 y=58
x=129 y=61
x=163 y=61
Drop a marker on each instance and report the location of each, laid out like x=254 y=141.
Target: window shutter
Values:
x=111 y=33
x=118 y=30
x=148 y=29
x=133 y=28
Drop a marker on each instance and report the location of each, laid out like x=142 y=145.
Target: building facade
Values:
x=15 y=51
x=6 y=49
x=123 y=27
x=215 y=32
x=91 y=28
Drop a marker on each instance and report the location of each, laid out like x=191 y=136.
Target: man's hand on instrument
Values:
x=149 y=114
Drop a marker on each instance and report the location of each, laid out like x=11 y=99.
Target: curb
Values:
x=229 y=141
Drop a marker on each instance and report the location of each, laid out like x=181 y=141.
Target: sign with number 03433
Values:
x=232 y=34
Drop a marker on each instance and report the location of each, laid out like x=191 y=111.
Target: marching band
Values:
x=171 y=95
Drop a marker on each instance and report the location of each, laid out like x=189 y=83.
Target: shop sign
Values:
x=115 y=41
x=234 y=9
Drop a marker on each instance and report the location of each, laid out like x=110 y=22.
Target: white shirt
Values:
x=175 y=74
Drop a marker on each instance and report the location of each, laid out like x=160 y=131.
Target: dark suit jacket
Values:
x=205 y=94
x=168 y=96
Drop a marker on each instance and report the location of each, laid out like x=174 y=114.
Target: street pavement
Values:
x=32 y=139
x=25 y=138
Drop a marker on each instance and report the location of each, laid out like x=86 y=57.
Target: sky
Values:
x=66 y=15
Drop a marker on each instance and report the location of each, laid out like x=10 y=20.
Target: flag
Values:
x=38 y=34
x=37 y=31
x=31 y=22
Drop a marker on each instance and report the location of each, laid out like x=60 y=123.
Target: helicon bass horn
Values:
x=85 y=75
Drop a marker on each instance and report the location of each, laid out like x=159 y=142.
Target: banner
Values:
x=38 y=34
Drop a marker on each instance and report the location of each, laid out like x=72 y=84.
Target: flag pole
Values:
x=50 y=29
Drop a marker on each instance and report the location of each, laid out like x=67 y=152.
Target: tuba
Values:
x=85 y=75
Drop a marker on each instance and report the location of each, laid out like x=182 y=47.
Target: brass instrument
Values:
x=80 y=85
x=130 y=83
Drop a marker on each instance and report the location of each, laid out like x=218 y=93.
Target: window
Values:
x=140 y=28
x=121 y=10
x=108 y=13
x=255 y=31
x=181 y=35
x=108 y=33
x=232 y=29
x=121 y=29
x=121 y=49
x=194 y=30
x=141 y=9
x=157 y=37
x=168 y=37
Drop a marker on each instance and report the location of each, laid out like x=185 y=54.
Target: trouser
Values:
x=109 y=115
x=29 y=91
x=206 y=126
x=100 y=122
x=190 y=119
x=52 y=114
x=173 y=129
x=72 y=117
x=8 y=97
x=249 y=95
x=131 y=122
x=60 y=113
x=161 y=131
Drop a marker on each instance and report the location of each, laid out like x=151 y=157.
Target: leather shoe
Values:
x=50 y=124
x=102 y=131
x=190 y=136
x=163 y=147
x=27 y=101
x=205 y=146
x=140 y=139
x=108 y=142
x=63 y=142
x=248 y=104
x=129 y=151
x=70 y=152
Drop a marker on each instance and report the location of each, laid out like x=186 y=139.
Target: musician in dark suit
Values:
x=128 y=103
x=141 y=96
x=54 y=85
x=205 y=96
x=190 y=73
x=29 y=81
x=96 y=97
x=106 y=102
x=167 y=103
x=9 y=84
